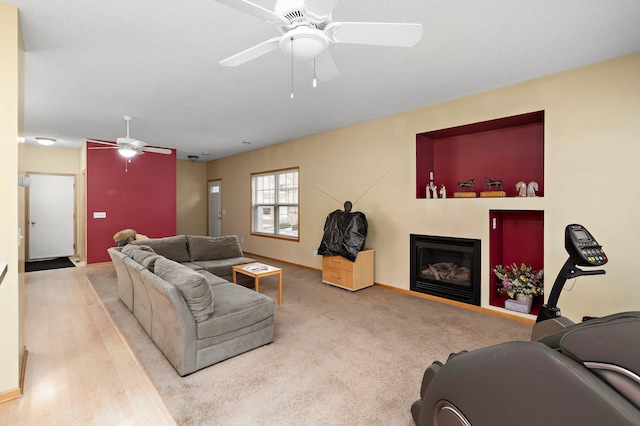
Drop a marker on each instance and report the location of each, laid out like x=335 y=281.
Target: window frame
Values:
x=276 y=204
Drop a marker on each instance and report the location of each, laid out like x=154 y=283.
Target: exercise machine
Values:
x=585 y=373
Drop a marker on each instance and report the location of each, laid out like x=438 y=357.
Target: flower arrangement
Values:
x=521 y=279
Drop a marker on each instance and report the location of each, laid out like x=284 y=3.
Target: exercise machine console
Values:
x=583 y=250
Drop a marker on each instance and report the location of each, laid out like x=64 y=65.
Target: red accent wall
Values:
x=140 y=195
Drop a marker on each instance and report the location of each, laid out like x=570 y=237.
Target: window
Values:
x=274 y=209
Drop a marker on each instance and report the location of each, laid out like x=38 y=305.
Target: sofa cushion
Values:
x=146 y=259
x=143 y=247
x=212 y=279
x=174 y=248
x=223 y=267
x=211 y=248
x=144 y=255
x=192 y=266
x=129 y=249
x=237 y=307
x=193 y=286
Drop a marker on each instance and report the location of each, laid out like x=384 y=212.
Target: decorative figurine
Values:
x=521 y=187
x=443 y=192
x=497 y=183
x=467 y=186
x=432 y=189
x=532 y=188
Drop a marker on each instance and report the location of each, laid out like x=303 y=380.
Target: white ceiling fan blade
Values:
x=319 y=9
x=112 y=144
x=252 y=53
x=253 y=10
x=374 y=33
x=156 y=150
x=325 y=68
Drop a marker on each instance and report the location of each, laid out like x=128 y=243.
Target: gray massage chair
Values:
x=569 y=374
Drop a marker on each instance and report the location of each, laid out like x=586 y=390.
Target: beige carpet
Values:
x=338 y=358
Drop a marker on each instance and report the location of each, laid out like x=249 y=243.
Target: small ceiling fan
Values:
x=129 y=147
x=307 y=29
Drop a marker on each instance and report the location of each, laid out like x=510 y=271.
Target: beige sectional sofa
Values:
x=178 y=288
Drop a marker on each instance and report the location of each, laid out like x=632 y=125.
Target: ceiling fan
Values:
x=307 y=30
x=129 y=147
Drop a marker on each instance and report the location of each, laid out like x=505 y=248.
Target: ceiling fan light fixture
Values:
x=45 y=141
x=308 y=42
x=127 y=152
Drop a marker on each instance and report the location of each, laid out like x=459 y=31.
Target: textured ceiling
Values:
x=89 y=62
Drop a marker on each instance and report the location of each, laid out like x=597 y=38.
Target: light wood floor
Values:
x=79 y=369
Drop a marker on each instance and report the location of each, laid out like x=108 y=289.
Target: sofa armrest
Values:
x=125 y=284
x=174 y=330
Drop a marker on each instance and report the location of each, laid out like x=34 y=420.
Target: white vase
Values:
x=522 y=303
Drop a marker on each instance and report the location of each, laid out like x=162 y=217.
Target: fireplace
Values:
x=446 y=267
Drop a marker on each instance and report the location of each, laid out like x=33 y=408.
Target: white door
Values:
x=51 y=222
x=215 y=208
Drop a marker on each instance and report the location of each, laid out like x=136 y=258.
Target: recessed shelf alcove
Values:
x=509 y=148
x=515 y=237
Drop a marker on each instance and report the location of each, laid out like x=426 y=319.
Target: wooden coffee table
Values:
x=258 y=270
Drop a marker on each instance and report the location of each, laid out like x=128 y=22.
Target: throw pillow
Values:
x=129 y=250
x=212 y=248
x=146 y=259
x=193 y=286
x=145 y=248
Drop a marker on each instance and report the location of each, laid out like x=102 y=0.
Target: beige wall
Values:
x=11 y=295
x=47 y=159
x=591 y=151
x=191 y=194
x=50 y=160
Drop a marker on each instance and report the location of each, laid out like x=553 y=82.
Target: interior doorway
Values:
x=51 y=223
x=215 y=208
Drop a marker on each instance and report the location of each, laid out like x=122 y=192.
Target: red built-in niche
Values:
x=515 y=237
x=140 y=195
x=510 y=148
